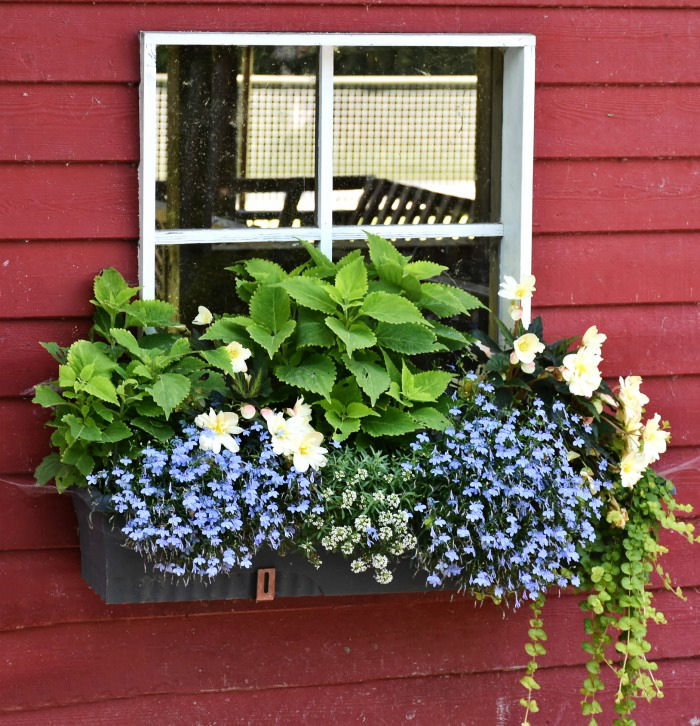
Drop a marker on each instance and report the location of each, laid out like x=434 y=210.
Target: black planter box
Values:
x=120 y=575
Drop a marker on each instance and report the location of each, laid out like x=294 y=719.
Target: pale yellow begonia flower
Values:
x=511 y=289
x=308 y=451
x=593 y=339
x=238 y=355
x=632 y=467
x=654 y=439
x=217 y=430
x=581 y=373
x=301 y=409
x=632 y=402
x=525 y=349
x=203 y=317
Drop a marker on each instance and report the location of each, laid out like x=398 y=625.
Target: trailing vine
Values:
x=534 y=648
x=617 y=571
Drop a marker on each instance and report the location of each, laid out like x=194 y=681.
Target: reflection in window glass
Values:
x=405 y=120
x=235 y=137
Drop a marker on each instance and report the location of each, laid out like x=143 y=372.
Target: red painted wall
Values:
x=617 y=243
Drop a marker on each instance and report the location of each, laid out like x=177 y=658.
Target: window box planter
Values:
x=120 y=576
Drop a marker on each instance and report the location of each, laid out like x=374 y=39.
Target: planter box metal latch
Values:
x=266 y=585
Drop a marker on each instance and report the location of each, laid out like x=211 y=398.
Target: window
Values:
x=252 y=141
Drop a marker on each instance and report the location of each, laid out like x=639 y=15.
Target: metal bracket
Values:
x=266 y=585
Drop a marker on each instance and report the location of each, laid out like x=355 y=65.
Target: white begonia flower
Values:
x=525 y=349
x=580 y=371
x=308 y=451
x=632 y=402
x=203 y=317
x=527 y=367
x=593 y=339
x=238 y=355
x=654 y=440
x=632 y=466
x=286 y=432
x=217 y=430
x=511 y=289
x=301 y=409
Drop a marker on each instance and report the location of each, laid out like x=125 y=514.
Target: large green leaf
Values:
x=228 y=330
x=154 y=427
x=424 y=269
x=218 y=358
x=452 y=338
x=84 y=430
x=126 y=339
x=116 y=431
x=441 y=300
x=357 y=336
x=324 y=266
x=264 y=270
x=430 y=418
x=427 y=386
x=169 y=390
x=312 y=330
x=314 y=373
x=151 y=313
x=391 y=422
x=111 y=290
x=391 y=308
x=48 y=468
x=391 y=272
x=309 y=293
x=382 y=251
x=47 y=397
x=371 y=377
x=85 y=353
x=269 y=308
x=271 y=342
x=101 y=387
x=407 y=338
x=351 y=281
x=467 y=299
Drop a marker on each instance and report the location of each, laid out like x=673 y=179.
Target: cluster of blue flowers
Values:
x=509 y=503
x=194 y=512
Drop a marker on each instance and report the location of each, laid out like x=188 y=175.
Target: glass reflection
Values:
x=235 y=136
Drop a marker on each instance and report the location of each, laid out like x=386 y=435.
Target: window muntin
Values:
x=323 y=208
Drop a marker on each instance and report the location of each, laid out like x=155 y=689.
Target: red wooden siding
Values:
x=617 y=244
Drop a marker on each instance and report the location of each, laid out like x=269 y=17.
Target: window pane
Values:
x=235 y=136
x=405 y=129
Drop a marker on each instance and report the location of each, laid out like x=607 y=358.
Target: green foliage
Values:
x=362 y=322
x=120 y=385
x=616 y=573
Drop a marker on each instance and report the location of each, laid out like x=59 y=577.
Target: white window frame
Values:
x=514 y=229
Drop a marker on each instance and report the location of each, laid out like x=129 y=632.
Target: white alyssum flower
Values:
x=203 y=317
x=218 y=430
